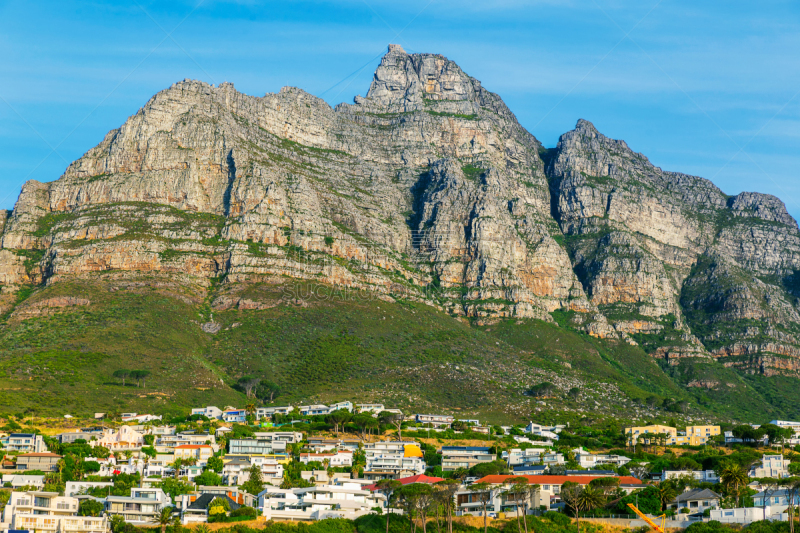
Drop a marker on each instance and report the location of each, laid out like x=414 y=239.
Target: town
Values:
x=354 y=462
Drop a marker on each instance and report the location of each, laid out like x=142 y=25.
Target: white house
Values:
x=140 y=418
x=591 y=460
x=369 y=407
x=339 y=458
x=704 y=476
x=774 y=466
x=141 y=507
x=746 y=515
x=50 y=513
x=548 y=432
x=235 y=469
x=393 y=459
x=435 y=420
x=212 y=412
x=17 y=481
x=263 y=412
x=126 y=438
x=24 y=443
x=79 y=487
x=314 y=410
x=347 y=500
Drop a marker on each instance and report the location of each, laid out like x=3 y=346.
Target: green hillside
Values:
x=332 y=347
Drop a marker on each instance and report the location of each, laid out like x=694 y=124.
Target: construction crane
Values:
x=649 y=521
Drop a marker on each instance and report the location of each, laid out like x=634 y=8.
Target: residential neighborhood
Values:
x=317 y=462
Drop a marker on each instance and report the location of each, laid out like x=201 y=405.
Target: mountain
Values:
x=216 y=235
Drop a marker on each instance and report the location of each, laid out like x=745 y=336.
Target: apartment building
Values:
x=44 y=461
x=699 y=435
x=590 y=460
x=346 y=500
x=314 y=410
x=167 y=443
x=267 y=412
x=201 y=453
x=125 y=438
x=38 y=503
x=24 y=443
x=374 y=408
x=645 y=434
x=517 y=457
x=235 y=470
x=393 y=459
x=37 y=523
x=774 y=466
x=141 y=507
x=235 y=416
x=265 y=443
x=469 y=502
x=455 y=457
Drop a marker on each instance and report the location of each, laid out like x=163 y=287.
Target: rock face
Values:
x=429 y=189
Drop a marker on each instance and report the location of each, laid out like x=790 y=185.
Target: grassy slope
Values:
x=64 y=363
x=408 y=355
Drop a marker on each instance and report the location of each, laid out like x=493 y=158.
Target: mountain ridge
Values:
x=425 y=190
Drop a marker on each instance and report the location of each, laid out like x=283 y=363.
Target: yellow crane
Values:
x=649 y=521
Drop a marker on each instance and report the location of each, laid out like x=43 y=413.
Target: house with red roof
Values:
x=501 y=499
x=201 y=453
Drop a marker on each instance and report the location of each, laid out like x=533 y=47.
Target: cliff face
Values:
x=428 y=189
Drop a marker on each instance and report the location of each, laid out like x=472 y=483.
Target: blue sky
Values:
x=707 y=88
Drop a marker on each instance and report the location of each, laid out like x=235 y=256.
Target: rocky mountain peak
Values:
x=763 y=206
x=407 y=82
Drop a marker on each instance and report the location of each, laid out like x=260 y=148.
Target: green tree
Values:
x=485 y=494
x=209 y=478
x=338 y=418
x=666 y=493
x=215 y=463
x=90 y=507
x=122 y=374
x=388 y=487
x=140 y=376
x=164 y=518
x=734 y=478
x=254 y=484
x=445 y=495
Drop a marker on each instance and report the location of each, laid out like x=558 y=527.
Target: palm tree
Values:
x=733 y=477
x=164 y=518
x=202 y=528
x=591 y=498
x=666 y=493
x=176 y=465
x=250 y=408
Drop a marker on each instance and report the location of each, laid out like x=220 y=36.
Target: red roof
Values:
x=555 y=480
x=44 y=454
x=419 y=478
